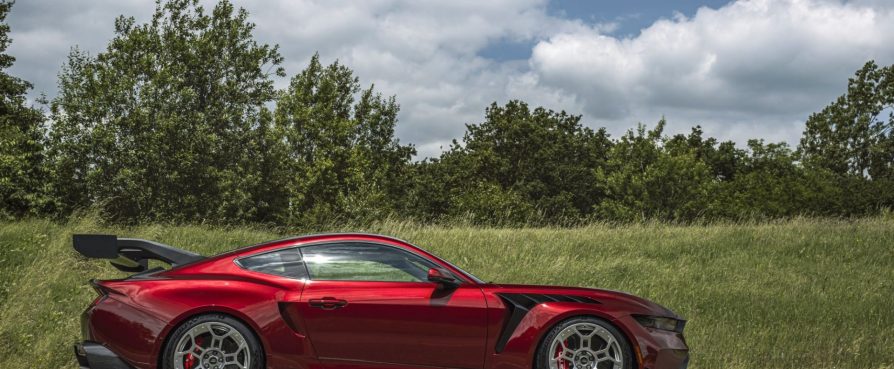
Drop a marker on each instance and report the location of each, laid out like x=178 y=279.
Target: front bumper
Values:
x=671 y=359
x=92 y=355
x=657 y=349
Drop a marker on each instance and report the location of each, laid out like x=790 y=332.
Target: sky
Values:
x=741 y=69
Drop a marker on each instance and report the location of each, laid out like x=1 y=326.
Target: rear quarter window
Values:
x=285 y=262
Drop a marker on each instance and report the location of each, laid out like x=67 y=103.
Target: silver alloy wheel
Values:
x=585 y=346
x=212 y=345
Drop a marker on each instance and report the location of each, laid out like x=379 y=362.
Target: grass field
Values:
x=797 y=294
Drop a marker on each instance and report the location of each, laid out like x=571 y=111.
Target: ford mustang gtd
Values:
x=353 y=301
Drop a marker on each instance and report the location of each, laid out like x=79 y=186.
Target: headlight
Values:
x=662 y=323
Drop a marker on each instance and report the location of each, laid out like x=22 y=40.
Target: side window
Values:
x=285 y=262
x=364 y=262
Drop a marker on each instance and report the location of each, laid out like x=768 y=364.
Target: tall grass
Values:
x=796 y=294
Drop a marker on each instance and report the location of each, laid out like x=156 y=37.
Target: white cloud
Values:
x=44 y=31
x=750 y=69
x=427 y=53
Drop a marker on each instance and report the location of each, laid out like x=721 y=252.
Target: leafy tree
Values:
x=851 y=135
x=768 y=185
x=723 y=158
x=169 y=121
x=542 y=158
x=644 y=181
x=21 y=138
x=486 y=203
x=343 y=160
x=175 y=121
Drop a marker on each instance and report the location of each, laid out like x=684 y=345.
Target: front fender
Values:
x=521 y=348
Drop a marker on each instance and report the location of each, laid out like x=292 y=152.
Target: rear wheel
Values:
x=213 y=341
x=584 y=343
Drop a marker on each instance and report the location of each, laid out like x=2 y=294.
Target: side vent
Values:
x=519 y=304
x=288 y=310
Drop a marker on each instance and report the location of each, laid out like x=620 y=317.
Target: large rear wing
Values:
x=130 y=254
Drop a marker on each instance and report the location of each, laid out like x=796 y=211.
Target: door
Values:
x=372 y=303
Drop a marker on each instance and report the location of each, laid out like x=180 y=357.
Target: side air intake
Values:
x=519 y=304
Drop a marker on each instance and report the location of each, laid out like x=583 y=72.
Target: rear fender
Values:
x=164 y=335
x=256 y=305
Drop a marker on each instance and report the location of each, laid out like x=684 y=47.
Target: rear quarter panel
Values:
x=136 y=320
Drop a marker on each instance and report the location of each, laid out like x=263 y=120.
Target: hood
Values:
x=631 y=302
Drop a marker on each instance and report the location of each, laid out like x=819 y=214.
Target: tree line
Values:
x=178 y=120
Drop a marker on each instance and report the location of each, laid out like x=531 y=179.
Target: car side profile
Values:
x=354 y=301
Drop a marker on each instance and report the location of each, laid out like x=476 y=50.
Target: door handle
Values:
x=327 y=303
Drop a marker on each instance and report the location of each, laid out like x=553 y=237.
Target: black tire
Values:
x=543 y=355
x=256 y=352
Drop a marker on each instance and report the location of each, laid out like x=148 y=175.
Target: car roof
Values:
x=322 y=237
x=316 y=238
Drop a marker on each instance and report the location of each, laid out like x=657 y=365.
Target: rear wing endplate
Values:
x=130 y=254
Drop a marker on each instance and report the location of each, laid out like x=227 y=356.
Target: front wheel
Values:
x=213 y=341
x=584 y=343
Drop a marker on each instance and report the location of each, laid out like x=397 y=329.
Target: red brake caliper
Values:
x=563 y=363
x=189 y=361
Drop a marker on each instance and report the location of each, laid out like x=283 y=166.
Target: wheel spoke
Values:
x=584 y=327
x=186 y=350
x=609 y=344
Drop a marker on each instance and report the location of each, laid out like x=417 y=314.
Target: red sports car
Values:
x=354 y=301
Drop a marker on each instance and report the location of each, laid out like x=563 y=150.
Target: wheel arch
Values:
x=206 y=310
x=559 y=319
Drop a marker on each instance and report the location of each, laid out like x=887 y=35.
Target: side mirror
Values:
x=442 y=278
